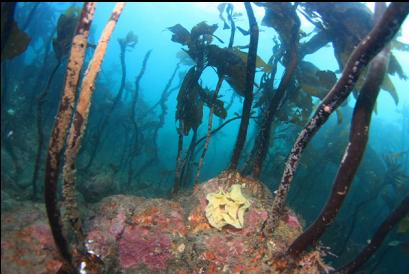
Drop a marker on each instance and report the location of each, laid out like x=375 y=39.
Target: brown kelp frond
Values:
x=229 y=62
x=66 y=25
x=395 y=174
x=371 y=45
x=203 y=30
x=345 y=26
x=281 y=17
x=189 y=109
x=62 y=120
x=259 y=62
x=130 y=40
x=180 y=34
x=13 y=40
x=313 y=81
x=211 y=101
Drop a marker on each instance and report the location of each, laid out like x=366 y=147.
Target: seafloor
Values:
x=132 y=234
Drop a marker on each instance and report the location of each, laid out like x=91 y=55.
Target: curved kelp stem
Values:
x=164 y=109
x=133 y=152
x=352 y=156
x=371 y=45
x=229 y=11
x=163 y=99
x=79 y=123
x=124 y=43
x=40 y=132
x=209 y=128
x=248 y=98
x=62 y=120
x=373 y=244
x=201 y=139
x=44 y=65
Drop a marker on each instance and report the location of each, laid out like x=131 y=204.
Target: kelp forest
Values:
x=204 y=137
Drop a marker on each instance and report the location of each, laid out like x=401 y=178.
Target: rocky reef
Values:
x=137 y=235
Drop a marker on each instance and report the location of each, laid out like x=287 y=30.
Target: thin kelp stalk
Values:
x=201 y=139
x=176 y=185
x=97 y=135
x=62 y=120
x=40 y=132
x=44 y=65
x=353 y=154
x=186 y=170
x=262 y=141
x=164 y=109
x=165 y=94
x=353 y=218
x=229 y=11
x=209 y=127
x=248 y=98
x=380 y=35
x=373 y=244
x=79 y=122
x=134 y=146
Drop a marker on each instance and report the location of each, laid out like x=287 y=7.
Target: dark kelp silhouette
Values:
x=14 y=41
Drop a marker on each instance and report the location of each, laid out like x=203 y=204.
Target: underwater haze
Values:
x=204 y=137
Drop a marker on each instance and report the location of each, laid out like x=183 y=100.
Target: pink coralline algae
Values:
x=232 y=249
x=141 y=246
x=27 y=245
x=293 y=221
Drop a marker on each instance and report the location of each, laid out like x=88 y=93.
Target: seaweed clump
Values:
x=14 y=41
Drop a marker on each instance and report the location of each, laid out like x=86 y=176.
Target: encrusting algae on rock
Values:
x=137 y=235
x=226 y=207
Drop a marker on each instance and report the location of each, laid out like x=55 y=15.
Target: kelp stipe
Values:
x=381 y=34
x=58 y=135
x=79 y=124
